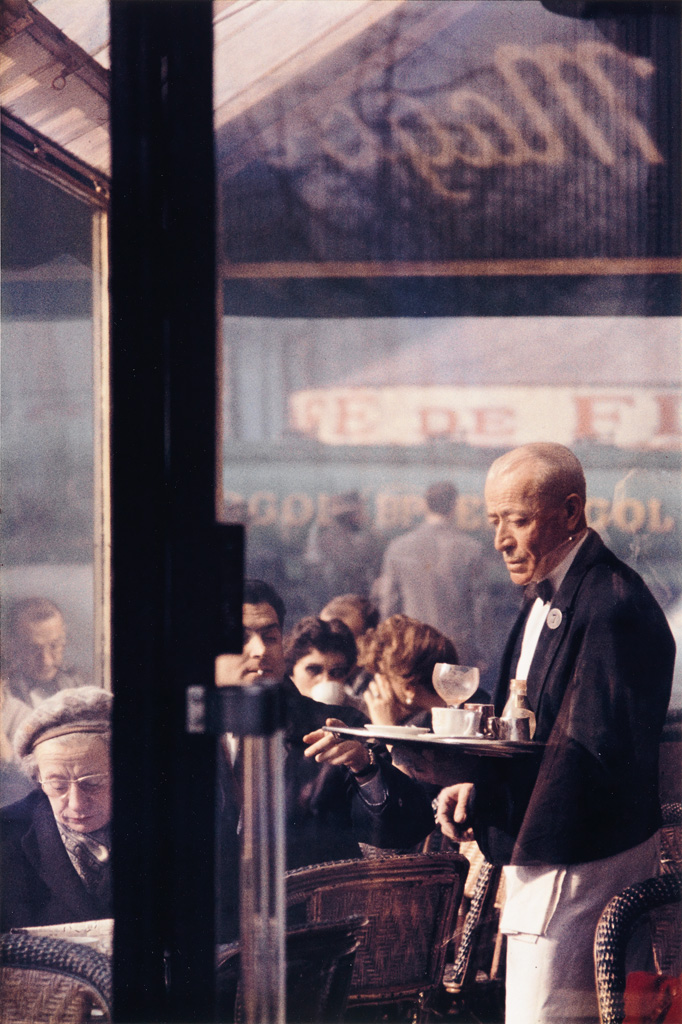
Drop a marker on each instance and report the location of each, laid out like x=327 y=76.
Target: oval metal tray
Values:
x=479 y=746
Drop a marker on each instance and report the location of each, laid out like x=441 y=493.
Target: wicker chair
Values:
x=411 y=902
x=659 y=898
x=319 y=968
x=480 y=930
x=44 y=980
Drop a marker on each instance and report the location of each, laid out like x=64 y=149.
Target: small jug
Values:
x=484 y=713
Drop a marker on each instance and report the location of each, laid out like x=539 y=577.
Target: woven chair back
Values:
x=657 y=900
x=671 y=838
x=666 y=921
x=319 y=968
x=410 y=901
x=45 y=980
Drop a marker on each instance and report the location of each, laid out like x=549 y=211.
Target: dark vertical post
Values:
x=164 y=569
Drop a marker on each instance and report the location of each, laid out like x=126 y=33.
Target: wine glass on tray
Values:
x=455 y=683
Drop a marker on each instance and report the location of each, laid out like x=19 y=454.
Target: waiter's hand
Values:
x=325 y=746
x=453 y=811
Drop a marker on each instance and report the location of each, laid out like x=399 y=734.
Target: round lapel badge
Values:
x=554 y=618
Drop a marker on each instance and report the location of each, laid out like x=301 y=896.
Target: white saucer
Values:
x=388 y=732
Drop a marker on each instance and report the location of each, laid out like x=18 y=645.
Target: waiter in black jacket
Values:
x=578 y=823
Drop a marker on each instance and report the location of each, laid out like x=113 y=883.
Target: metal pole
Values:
x=262 y=881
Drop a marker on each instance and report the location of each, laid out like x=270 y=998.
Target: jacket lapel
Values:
x=560 y=614
x=43 y=847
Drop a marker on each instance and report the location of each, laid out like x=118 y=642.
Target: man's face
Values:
x=39 y=648
x=262 y=654
x=530 y=534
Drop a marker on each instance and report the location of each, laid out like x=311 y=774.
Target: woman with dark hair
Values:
x=401 y=656
x=319 y=656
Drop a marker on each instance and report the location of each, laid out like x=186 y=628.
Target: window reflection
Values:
x=48 y=417
x=446 y=230
x=426 y=260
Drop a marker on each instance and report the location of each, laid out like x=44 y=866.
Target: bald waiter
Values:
x=578 y=823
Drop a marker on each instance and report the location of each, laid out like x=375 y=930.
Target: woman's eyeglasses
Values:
x=90 y=785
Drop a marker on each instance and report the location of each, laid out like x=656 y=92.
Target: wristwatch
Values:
x=371 y=767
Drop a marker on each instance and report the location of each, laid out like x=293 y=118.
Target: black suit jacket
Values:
x=325 y=815
x=38 y=883
x=599 y=684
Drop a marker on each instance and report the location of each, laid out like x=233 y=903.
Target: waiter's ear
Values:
x=575 y=512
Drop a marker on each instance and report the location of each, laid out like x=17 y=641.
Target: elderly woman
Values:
x=55 y=843
x=401 y=655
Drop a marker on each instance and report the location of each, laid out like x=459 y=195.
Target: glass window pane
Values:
x=446 y=230
x=52 y=574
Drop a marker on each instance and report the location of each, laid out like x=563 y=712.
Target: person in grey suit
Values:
x=433 y=574
x=576 y=822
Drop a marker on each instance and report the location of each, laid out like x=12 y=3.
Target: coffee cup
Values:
x=454 y=721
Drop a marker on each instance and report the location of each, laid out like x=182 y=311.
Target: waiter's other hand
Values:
x=453 y=811
x=325 y=746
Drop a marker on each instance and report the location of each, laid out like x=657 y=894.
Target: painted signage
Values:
x=641 y=418
x=452 y=133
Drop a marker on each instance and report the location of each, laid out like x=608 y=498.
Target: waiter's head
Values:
x=535 y=500
x=263 y=652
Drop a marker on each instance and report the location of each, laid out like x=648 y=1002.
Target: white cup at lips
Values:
x=453 y=721
x=328 y=692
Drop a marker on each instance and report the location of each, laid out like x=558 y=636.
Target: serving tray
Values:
x=480 y=747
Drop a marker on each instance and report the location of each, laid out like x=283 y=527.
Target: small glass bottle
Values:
x=518 y=705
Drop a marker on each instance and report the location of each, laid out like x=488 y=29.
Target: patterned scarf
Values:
x=90 y=855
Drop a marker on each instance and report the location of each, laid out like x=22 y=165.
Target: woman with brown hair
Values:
x=401 y=656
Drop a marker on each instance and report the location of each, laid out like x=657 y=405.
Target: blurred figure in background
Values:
x=401 y=656
x=362 y=617
x=358 y=613
x=319 y=658
x=342 y=554
x=434 y=572
x=33 y=657
x=13 y=783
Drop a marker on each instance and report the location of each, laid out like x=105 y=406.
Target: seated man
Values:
x=337 y=793
x=33 y=670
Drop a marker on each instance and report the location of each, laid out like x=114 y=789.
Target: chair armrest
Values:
x=617 y=923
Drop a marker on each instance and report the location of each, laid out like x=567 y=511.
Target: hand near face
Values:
x=329 y=749
x=383 y=705
x=453 y=811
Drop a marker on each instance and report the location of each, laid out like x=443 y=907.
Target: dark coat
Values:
x=38 y=883
x=325 y=816
x=599 y=684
